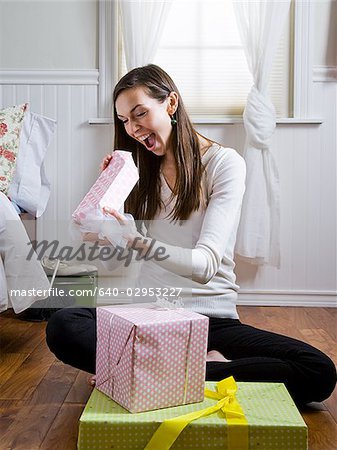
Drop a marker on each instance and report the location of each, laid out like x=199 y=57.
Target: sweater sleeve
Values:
x=227 y=181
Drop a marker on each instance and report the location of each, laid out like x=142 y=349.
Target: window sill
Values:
x=208 y=120
x=225 y=120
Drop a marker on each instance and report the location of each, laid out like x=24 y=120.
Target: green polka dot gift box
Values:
x=149 y=357
x=270 y=421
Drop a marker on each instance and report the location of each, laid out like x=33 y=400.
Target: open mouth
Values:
x=150 y=141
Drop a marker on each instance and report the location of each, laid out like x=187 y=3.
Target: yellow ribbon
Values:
x=170 y=429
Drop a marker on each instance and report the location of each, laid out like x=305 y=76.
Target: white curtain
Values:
x=17 y=272
x=142 y=25
x=260 y=23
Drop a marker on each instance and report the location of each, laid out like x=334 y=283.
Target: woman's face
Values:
x=146 y=119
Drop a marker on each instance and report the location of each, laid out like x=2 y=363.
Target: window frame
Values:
x=301 y=66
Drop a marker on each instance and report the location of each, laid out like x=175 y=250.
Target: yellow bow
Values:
x=169 y=430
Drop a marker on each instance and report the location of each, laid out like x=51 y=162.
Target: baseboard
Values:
x=288 y=298
x=55 y=77
x=266 y=298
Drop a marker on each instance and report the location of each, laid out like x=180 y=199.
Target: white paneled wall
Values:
x=306 y=155
x=73 y=158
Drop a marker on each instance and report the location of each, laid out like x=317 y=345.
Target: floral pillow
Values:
x=11 y=120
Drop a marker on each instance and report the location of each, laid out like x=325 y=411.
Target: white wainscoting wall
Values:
x=306 y=155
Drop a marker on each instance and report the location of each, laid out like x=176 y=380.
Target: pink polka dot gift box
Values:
x=149 y=357
x=111 y=188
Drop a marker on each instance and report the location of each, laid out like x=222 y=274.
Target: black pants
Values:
x=256 y=355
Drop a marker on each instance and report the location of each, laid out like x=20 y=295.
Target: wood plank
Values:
x=23 y=382
x=55 y=385
x=67 y=419
x=331 y=405
x=26 y=341
x=283 y=321
x=326 y=319
x=331 y=311
x=322 y=430
x=11 y=329
x=30 y=427
x=8 y=411
x=303 y=319
x=272 y=318
x=320 y=339
x=253 y=315
x=80 y=390
x=42 y=408
x=9 y=364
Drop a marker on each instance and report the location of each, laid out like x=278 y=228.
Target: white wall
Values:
x=48 y=34
x=62 y=34
x=306 y=156
x=325 y=50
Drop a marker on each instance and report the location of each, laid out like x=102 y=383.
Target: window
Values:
x=202 y=51
x=291 y=80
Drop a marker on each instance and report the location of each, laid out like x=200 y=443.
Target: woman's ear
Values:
x=172 y=103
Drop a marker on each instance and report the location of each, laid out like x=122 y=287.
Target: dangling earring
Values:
x=173 y=120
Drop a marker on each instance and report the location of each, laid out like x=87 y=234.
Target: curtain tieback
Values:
x=259 y=119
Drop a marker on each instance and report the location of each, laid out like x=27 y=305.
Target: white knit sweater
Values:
x=201 y=249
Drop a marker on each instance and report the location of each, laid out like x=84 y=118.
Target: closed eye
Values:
x=142 y=114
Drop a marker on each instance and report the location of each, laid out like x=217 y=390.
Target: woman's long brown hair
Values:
x=144 y=200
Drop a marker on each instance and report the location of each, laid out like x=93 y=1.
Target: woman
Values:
x=189 y=197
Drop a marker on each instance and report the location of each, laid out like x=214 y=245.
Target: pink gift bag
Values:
x=111 y=188
x=150 y=357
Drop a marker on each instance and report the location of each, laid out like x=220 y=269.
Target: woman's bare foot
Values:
x=92 y=380
x=214 y=355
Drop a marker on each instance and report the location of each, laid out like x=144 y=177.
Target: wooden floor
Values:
x=41 y=399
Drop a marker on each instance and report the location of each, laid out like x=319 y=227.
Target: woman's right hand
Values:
x=105 y=162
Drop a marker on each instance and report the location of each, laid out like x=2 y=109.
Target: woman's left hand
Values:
x=134 y=239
